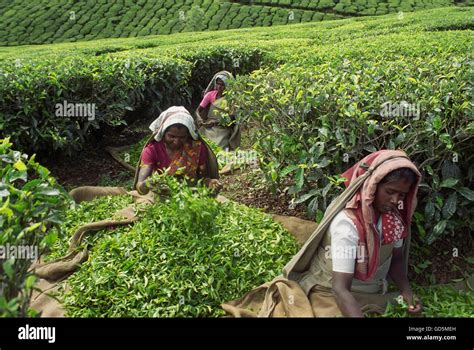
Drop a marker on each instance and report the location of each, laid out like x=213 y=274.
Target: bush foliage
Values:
x=322 y=118
x=31 y=204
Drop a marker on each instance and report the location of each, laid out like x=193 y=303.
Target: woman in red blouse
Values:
x=177 y=148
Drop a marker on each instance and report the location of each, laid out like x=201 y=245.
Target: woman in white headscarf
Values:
x=215 y=116
x=175 y=146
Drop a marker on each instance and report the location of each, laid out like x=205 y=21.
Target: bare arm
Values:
x=341 y=287
x=232 y=113
x=397 y=271
x=200 y=113
x=398 y=274
x=145 y=172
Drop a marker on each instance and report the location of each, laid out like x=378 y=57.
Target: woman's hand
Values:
x=143 y=175
x=142 y=188
x=157 y=187
x=210 y=123
x=414 y=304
x=199 y=121
x=214 y=184
x=398 y=274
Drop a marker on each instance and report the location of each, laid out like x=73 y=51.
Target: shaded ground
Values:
x=246 y=187
x=93 y=166
x=445 y=260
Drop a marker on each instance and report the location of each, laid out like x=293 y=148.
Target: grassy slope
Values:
x=287 y=41
x=51 y=70
x=68 y=20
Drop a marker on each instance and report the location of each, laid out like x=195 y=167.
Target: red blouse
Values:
x=154 y=154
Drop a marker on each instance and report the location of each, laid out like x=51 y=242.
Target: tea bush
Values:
x=72 y=20
x=111 y=84
x=32 y=204
x=321 y=119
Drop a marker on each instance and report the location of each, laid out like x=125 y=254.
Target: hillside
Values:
x=45 y=21
x=127 y=75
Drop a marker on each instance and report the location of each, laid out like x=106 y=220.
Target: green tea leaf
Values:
x=19 y=165
x=466 y=193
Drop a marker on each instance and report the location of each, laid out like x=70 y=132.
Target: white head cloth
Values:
x=225 y=76
x=171 y=116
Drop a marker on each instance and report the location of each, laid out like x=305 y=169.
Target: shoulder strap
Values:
x=212 y=168
x=300 y=262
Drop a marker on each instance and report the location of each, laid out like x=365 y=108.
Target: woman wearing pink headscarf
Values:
x=363 y=240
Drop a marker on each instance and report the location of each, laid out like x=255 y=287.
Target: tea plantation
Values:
x=314 y=95
x=45 y=21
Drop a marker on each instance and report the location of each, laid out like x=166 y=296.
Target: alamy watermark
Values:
x=84 y=110
x=26 y=252
x=346 y=252
x=238 y=157
x=399 y=109
x=37 y=333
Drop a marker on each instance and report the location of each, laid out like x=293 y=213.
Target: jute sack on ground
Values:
x=285 y=298
x=52 y=273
